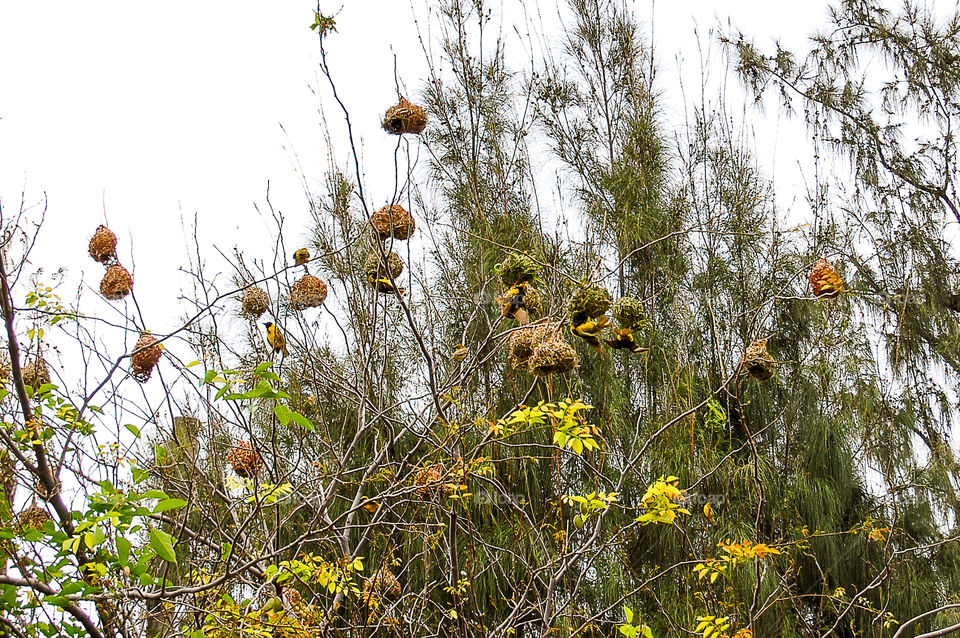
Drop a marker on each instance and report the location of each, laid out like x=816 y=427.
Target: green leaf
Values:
x=162 y=544
x=169 y=504
x=133 y=429
x=123 y=550
x=628 y=613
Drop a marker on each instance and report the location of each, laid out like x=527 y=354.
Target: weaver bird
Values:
x=512 y=304
x=460 y=352
x=275 y=339
x=382 y=284
x=589 y=328
x=708 y=512
x=301 y=257
x=623 y=338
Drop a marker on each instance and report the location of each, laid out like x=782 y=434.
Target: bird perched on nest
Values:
x=512 y=303
x=382 y=284
x=588 y=328
x=301 y=257
x=623 y=338
x=275 y=339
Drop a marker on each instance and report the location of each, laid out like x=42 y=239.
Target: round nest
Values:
x=143 y=360
x=33 y=517
x=377 y=268
x=825 y=281
x=117 y=283
x=520 y=346
x=103 y=245
x=553 y=356
x=629 y=313
x=429 y=480
x=382 y=585
x=246 y=462
x=516 y=269
x=589 y=301
x=254 y=302
x=759 y=363
x=405 y=117
x=36 y=373
x=533 y=300
x=393 y=221
x=4 y=373
x=307 y=292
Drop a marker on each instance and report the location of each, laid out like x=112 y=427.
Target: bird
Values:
x=301 y=257
x=382 y=284
x=708 y=512
x=512 y=303
x=275 y=338
x=460 y=352
x=623 y=338
x=589 y=328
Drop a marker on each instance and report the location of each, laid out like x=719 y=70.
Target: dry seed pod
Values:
x=117 y=283
x=382 y=584
x=758 y=362
x=144 y=360
x=246 y=462
x=307 y=292
x=33 y=517
x=103 y=245
x=825 y=281
x=254 y=301
x=405 y=117
x=393 y=221
x=36 y=373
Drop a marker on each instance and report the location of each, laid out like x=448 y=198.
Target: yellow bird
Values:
x=275 y=339
x=709 y=513
x=589 y=328
x=460 y=352
x=623 y=338
x=512 y=304
x=382 y=284
x=301 y=257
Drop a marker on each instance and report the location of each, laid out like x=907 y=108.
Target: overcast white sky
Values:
x=162 y=108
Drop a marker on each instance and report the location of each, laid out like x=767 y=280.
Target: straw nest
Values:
x=36 y=373
x=307 y=292
x=825 y=280
x=588 y=301
x=103 y=245
x=405 y=117
x=393 y=221
x=117 y=283
x=523 y=342
x=759 y=363
x=381 y=585
x=34 y=517
x=147 y=353
x=246 y=462
x=377 y=268
x=254 y=302
x=629 y=313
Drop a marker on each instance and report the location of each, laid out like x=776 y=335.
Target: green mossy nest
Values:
x=376 y=268
x=589 y=301
x=629 y=313
x=516 y=269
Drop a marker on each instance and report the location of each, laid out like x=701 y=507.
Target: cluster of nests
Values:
x=116 y=284
x=541 y=349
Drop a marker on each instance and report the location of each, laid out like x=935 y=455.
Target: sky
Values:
x=147 y=116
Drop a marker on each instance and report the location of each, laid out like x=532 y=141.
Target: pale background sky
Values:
x=177 y=108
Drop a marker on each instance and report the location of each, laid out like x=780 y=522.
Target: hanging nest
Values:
x=254 y=302
x=516 y=269
x=246 y=462
x=629 y=313
x=553 y=357
x=103 y=245
x=143 y=361
x=533 y=300
x=307 y=292
x=377 y=268
x=405 y=117
x=36 y=373
x=588 y=301
x=4 y=373
x=523 y=342
x=429 y=481
x=826 y=282
x=117 y=283
x=382 y=585
x=758 y=362
x=393 y=221
x=33 y=518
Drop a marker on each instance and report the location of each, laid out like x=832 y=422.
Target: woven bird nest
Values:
x=143 y=361
x=430 y=481
x=246 y=462
x=516 y=269
x=307 y=292
x=36 y=373
x=254 y=302
x=405 y=117
x=4 y=373
x=523 y=342
x=393 y=221
x=629 y=313
x=33 y=518
x=103 y=245
x=376 y=267
x=758 y=362
x=554 y=356
x=117 y=283
x=588 y=301
x=826 y=282
x=382 y=585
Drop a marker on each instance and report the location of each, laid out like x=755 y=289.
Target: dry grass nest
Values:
x=523 y=342
x=307 y=292
x=146 y=354
x=117 y=283
x=36 y=373
x=254 y=301
x=246 y=462
x=405 y=117
x=103 y=245
x=759 y=363
x=34 y=517
x=825 y=280
x=554 y=356
x=393 y=221
x=382 y=584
